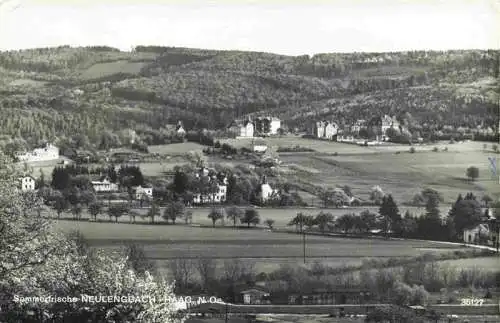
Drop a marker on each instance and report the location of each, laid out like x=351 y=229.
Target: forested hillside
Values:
x=99 y=91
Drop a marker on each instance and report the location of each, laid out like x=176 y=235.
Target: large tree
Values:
x=390 y=215
x=38 y=261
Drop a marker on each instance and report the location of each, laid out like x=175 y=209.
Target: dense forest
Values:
x=83 y=94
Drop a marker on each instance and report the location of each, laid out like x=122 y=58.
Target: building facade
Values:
x=387 y=122
x=267 y=125
x=325 y=130
x=242 y=128
x=254 y=296
x=143 y=192
x=266 y=191
x=27 y=183
x=104 y=185
x=475 y=233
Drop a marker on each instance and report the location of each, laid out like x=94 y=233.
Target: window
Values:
x=246 y=298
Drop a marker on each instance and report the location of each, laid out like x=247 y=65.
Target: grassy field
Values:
x=330 y=147
x=107 y=69
x=402 y=174
x=486 y=263
x=176 y=149
x=266 y=249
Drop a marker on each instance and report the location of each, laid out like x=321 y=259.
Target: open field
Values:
x=484 y=263
x=403 y=174
x=266 y=249
x=176 y=149
x=107 y=69
x=331 y=147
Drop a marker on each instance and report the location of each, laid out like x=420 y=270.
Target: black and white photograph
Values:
x=249 y=161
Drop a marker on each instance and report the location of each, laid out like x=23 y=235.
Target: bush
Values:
x=412 y=150
x=435 y=149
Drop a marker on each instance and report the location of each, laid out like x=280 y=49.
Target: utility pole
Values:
x=226 y=307
x=304 y=244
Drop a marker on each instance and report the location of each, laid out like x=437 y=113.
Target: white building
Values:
x=387 y=123
x=275 y=125
x=472 y=234
x=243 y=128
x=260 y=148
x=219 y=195
x=27 y=183
x=266 y=191
x=141 y=192
x=104 y=185
x=49 y=152
x=325 y=130
x=267 y=125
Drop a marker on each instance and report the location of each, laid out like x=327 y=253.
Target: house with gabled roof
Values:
x=242 y=128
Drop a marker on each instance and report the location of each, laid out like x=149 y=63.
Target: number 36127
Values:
x=472 y=301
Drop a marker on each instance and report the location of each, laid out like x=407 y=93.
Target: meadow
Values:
x=267 y=250
x=106 y=69
x=401 y=174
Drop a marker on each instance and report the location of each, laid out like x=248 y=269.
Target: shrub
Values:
x=435 y=149
x=412 y=150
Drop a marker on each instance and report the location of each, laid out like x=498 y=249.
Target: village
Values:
x=209 y=186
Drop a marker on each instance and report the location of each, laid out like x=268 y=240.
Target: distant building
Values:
x=255 y=296
x=104 y=185
x=27 y=183
x=358 y=125
x=323 y=296
x=177 y=128
x=141 y=192
x=217 y=190
x=387 y=122
x=242 y=128
x=266 y=191
x=267 y=125
x=474 y=233
x=324 y=130
x=260 y=148
x=49 y=152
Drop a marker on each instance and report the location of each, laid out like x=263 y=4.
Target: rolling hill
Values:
x=59 y=92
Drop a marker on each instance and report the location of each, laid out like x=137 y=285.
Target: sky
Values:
x=285 y=27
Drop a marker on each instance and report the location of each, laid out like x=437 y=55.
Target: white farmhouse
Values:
x=243 y=128
x=325 y=130
x=473 y=234
x=266 y=191
x=104 y=185
x=260 y=148
x=141 y=192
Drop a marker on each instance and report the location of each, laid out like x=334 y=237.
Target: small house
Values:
x=259 y=148
x=142 y=192
x=476 y=233
x=242 y=128
x=255 y=296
